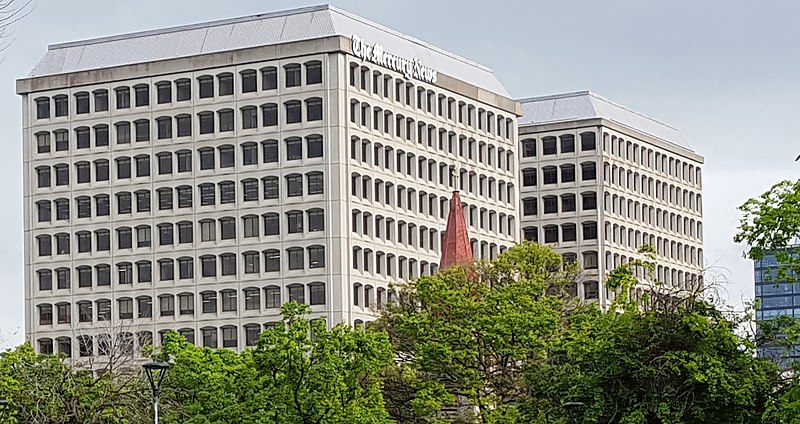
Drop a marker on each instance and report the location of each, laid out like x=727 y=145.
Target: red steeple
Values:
x=456 y=248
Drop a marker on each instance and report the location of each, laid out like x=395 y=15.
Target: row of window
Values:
x=646 y=214
x=663 y=274
x=125 y=343
x=180 y=90
x=211 y=302
x=183 y=268
x=567 y=202
x=209 y=122
x=567 y=232
x=362 y=187
x=563 y=144
x=168 y=198
x=647 y=157
x=406 y=128
x=654 y=188
x=550 y=174
x=183 y=232
x=404 y=92
x=669 y=249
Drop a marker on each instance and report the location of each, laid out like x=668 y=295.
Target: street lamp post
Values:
x=155 y=375
x=574 y=411
x=4 y=408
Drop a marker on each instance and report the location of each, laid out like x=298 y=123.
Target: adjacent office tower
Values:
x=599 y=180
x=196 y=178
x=776 y=297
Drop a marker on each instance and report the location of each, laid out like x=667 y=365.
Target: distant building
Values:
x=196 y=178
x=776 y=297
x=599 y=180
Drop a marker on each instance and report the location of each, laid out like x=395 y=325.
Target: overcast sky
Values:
x=724 y=72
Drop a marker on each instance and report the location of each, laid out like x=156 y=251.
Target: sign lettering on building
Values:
x=410 y=68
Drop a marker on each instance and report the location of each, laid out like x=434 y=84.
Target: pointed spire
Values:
x=456 y=248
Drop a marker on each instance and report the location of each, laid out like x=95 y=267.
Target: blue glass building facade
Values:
x=776 y=297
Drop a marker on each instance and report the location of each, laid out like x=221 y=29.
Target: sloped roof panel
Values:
x=587 y=105
x=254 y=31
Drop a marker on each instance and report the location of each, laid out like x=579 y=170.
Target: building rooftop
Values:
x=306 y=23
x=587 y=105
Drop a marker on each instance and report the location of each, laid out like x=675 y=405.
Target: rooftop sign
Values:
x=410 y=68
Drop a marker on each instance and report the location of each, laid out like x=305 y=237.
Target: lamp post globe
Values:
x=155 y=375
x=574 y=411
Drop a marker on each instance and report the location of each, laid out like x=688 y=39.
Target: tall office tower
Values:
x=196 y=178
x=777 y=297
x=600 y=180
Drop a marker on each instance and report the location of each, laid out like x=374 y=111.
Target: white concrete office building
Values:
x=196 y=178
x=599 y=180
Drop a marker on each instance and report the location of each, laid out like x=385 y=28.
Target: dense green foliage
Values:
x=771 y=223
x=500 y=342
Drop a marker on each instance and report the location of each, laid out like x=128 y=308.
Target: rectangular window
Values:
x=100 y=100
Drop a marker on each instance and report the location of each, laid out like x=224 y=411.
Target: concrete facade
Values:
x=199 y=193
x=597 y=181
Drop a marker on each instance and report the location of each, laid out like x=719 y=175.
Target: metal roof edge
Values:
x=199 y=25
x=411 y=39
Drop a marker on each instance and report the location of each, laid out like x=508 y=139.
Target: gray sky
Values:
x=723 y=72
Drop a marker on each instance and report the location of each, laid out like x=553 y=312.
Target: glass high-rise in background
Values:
x=775 y=297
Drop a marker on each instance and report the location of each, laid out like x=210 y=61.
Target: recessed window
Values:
x=206 y=158
x=227 y=228
x=249 y=84
x=143 y=201
x=123 y=95
x=294 y=185
x=62 y=105
x=164 y=92
x=316 y=220
x=206 y=86
x=82 y=103
x=101 y=135
x=313 y=72
x=249 y=154
x=549 y=146
x=183 y=88
x=62 y=140
x=588 y=141
x=313 y=109
x=271 y=187
x=589 y=200
x=123 y=132
x=316 y=293
x=567 y=143
x=270 y=148
x=314 y=146
x=42 y=108
x=100 y=100
x=272 y=262
x=207 y=194
x=316 y=257
x=296 y=293
x=269 y=78
x=227 y=157
x=316 y=183
x=225 y=84
x=294 y=112
x=269 y=113
x=227 y=192
x=296 y=258
x=226 y=122
x=249 y=117
x=292 y=73
x=588 y=171
x=164 y=124
x=206 y=122
x=142 y=94
x=294 y=148
x=142 y=129
x=43 y=142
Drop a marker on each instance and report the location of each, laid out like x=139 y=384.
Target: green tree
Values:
x=463 y=336
x=771 y=223
x=47 y=389
x=299 y=373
